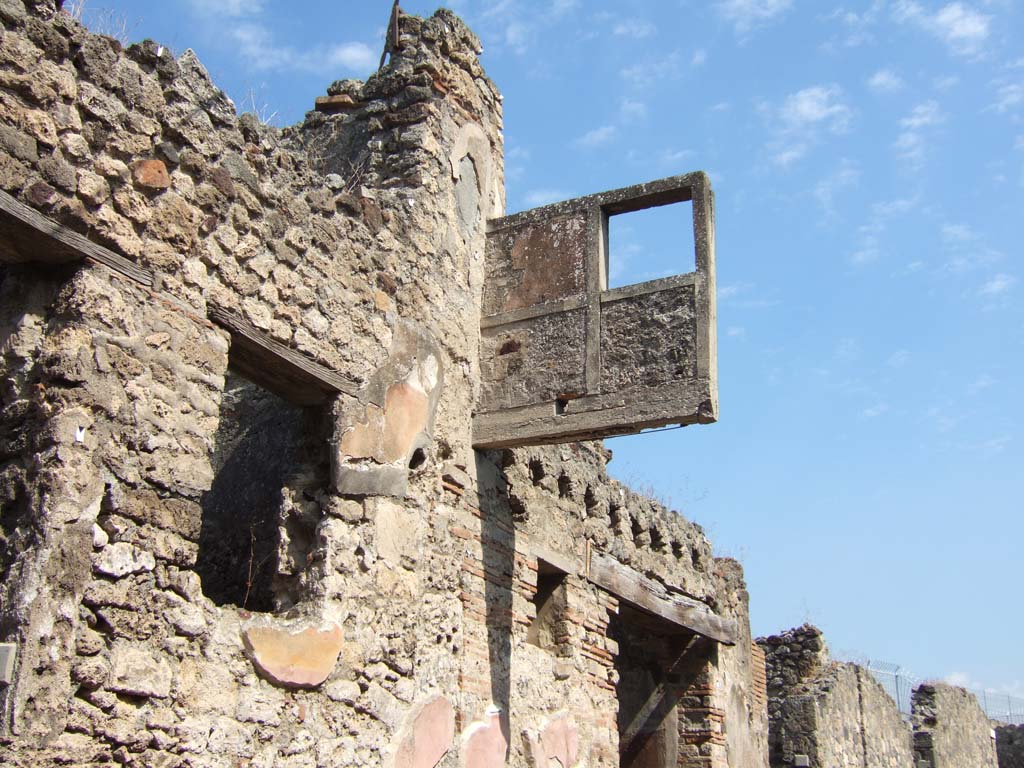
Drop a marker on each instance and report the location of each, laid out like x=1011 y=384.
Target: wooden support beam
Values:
x=26 y=235
x=284 y=371
x=647 y=594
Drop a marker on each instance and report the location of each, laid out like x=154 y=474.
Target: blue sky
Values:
x=868 y=159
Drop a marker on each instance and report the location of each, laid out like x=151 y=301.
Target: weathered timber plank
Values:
x=589 y=417
x=636 y=589
x=285 y=372
x=26 y=235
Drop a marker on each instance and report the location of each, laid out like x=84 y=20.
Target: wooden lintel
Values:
x=26 y=235
x=284 y=371
x=644 y=593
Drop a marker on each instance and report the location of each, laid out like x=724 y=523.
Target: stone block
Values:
x=138 y=670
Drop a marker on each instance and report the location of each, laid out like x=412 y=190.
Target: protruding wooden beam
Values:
x=648 y=595
x=284 y=371
x=26 y=235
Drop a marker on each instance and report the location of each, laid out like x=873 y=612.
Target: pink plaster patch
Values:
x=559 y=743
x=485 y=744
x=301 y=660
x=427 y=735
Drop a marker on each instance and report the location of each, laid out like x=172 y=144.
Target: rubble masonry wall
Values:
x=400 y=610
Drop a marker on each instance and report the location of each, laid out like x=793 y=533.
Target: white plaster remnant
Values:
x=121 y=559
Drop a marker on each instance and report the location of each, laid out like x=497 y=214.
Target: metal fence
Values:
x=900 y=684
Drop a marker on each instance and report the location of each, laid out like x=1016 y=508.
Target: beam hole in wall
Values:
x=650 y=244
x=270 y=465
x=564 y=486
x=550 y=603
x=536 y=471
x=418 y=459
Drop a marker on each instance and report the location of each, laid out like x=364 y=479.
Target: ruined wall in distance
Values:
x=833 y=713
x=950 y=729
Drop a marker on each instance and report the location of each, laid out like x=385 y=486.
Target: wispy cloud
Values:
x=885 y=81
x=746 y=15
x=998 y=285
x=538 y=197
x=256 y=45
x=962 y=28
x=910 y=145
x=846 y=175
x=242 y=22
x=634 y=28
x=857 y=25
x=699 y=58
x=632 y=110
x=898 y=359
x=1009 y=96
x=870 y=248
x=597 y=137
x=874 y=411
x=231 y=8
x=654 y=69
x=802 y=117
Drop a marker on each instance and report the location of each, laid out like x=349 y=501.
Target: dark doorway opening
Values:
x=658 y=664
x=260 y=514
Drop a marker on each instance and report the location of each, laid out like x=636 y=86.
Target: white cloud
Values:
x=858 y=25
x=736 y=331
x=800 y=119
x=231 y=8
x=898 y=358
x=632 y=110
x=869 y=248
x=910 y=145
x=745 y=15
x=256 y=45
x=652 y=70
x=1009 y=96
x=980 y=384
x=816 y=105
x=1019 y=143
x=825 y=191
x=998 y=285
x=634 y=28
x=879 y=409
x=676 y=156
x=560 y=7
x=699 y=58
x=945 y=83
x=962 y=28
x=885 y=81
x=538 y=197
x=597 y=137
x=923 y=115
x=957 y=233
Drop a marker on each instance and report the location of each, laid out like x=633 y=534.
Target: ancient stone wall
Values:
x=1010 y=746
x=950 y=729
x=212 y=556
x=826 y=713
